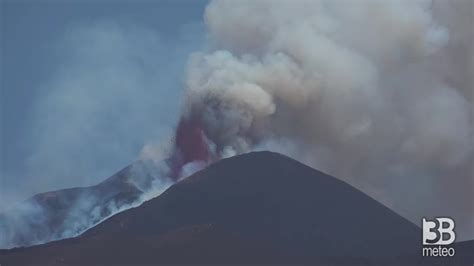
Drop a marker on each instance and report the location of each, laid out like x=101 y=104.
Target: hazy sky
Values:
x=80 y=83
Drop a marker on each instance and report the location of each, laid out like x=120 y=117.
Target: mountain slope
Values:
x=258 y=207
x=64 y=213
x=260 y=193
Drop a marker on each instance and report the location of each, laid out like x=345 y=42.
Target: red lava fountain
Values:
x=190 y=145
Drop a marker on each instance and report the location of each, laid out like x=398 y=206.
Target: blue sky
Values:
x=80 y=85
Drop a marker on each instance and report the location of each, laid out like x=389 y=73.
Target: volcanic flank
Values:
x=66 y=213
x=256 y=207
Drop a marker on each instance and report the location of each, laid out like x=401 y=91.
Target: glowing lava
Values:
x=191 y=145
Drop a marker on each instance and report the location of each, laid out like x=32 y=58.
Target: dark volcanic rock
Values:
x=253 y=208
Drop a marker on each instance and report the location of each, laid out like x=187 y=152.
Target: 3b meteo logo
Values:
x=437 y=234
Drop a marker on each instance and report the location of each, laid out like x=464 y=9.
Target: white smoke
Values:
x=359 y=89
x=35 y=221
x=378 y=93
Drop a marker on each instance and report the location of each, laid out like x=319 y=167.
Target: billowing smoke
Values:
x=367 y=91
x=377 y=93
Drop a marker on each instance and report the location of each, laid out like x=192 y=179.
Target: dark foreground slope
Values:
x=253 y=208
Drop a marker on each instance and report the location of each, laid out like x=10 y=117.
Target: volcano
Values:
x=259 y=207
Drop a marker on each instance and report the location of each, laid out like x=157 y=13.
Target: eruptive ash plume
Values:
x=378 y=93
x=356 y=89
x=302 y=71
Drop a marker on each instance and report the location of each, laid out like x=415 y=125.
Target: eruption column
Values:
x=191 y=145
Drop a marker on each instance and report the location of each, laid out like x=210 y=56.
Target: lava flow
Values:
x=191 y=145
